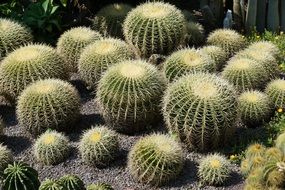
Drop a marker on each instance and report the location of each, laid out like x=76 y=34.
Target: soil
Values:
x=116 y=174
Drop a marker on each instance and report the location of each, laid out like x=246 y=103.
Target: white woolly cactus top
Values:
x=265 y=47
x=278 y=84
x=241 y=64
x=225 y=35
x=253 y=97
x=49 y=138
x=79 y=34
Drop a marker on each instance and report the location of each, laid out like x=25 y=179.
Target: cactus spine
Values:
x=251 y=13
x=273 y=16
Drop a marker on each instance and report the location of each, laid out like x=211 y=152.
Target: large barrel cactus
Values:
x=97 y=57
x=12 y=35
x=200 y=108
x=129 y=95
x=155 y=28
x=29 y=64
x=265 y=46
x=49 y=103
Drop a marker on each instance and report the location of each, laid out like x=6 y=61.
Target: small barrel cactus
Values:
x=228 y=39
x=217 y=54
x=265 y=47
x=111 y=17
x=51 y=148
x=254 y=108
x=214 y=170
x=187 y=61
x=201 y=109
x=72 y=42
x=273 y=153
x=129 y=95
x=255 y=176
x=6 y=158
x=71 y=182
x=155 y=159
x=50 y=184
x=98 y=146
x=97 y=57
x=49 y=103
x=12 y=35
x=155 y=28
x=100 y=186
x=27 y=65
x=275 y=178
x=254 y=150
x=276 y=92
x=280 y=142
x=245 y=74
x=20 y=176
x=195 y=33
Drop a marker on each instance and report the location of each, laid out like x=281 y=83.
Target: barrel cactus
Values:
x=228 y=39
x=112 y=17
x=245 y=74
x=27 y=65
x=200 y=108
x=155 y=159
x=6 y=158
x=254 y=150
x=265 y=47
x=214 y=170
x=12 y=35
x=155 y=28
x=280 y=142
x=129 y=95
x=19 y=175
x=72 y=42
x=217 y=54
x=187 y=61
x=254 y=108
x=71 y=182
x=195 y=33
x=98 y=146
x=273 y=153
x=50 y=184
x=51 y=148
x=255 y=176
x=98 y=56
x=276 y=92
x=49 y=103
x=100 y=186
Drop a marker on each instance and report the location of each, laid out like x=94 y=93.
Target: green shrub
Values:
x=214 y=170
x=155 y=159
x=71 y=182
x=6 y=158
x=51 y=148
x=228 y=39
x=187 y=61
x=112 y=17
x=27 y=65
x=49 y=103
x=12 y=35
x=72 y=42
x=98 y=146
x=129 y=95
x=100 y=186
x=162 y=28
x=20 y=176
x=49 y=184
x=254 y=108
x=97 y=57
x=245 y=74
x=200 y=108
x=276 y=92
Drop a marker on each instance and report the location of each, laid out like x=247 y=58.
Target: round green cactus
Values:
x=245 y=74
x=100 y=186
x=51 y=148
x=97 y=57
x=214 y=170
x=195 y=33
x=12 y=35
x=254 y=186
x=20 y=176
x=49 y=184
x=6 y=158
x=187 y=61
x=98 y=146
x=276 y=92
x=254 y=108
x=217 y=54
x=229 y=40
x=112 y=17
x=200 y=108
x=265 y=47
x=49 y=103
x=254 y=150
x=27 y=65
x=280 y=142
x=72 y=42
x=129 y=95
x=155 y=28
x=265 y=59
x=71 y=182
x=155 y=159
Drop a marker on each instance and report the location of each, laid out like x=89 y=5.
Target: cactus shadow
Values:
x=85 y=94
x=88 y=120
x=17 y=144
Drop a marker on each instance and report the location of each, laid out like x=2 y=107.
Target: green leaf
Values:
x=64 y=2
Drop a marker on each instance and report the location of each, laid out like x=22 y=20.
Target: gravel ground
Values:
x=21 y=144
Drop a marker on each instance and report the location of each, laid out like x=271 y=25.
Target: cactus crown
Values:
x=265 y=46
x=254 y=150
x=81 y=34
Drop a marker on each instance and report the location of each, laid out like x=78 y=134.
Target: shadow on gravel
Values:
x=8 y=114
x=17 y=144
